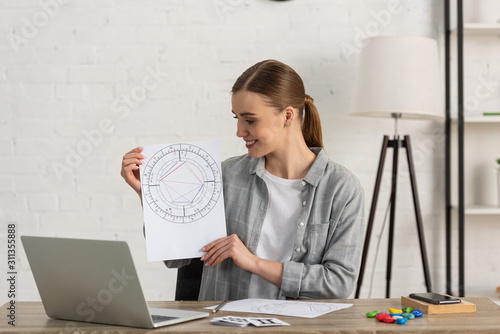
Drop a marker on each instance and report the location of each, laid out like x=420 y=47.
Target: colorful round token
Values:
x=395 y=310
x=407 y=309
x=409 y=316
x=401 y=321
x=382 y=316
x=417 y=313
x=372 y=314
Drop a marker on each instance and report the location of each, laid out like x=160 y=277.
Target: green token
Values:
x=372 y=314
x=407 y=309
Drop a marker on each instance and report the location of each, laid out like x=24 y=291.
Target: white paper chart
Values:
x=182 y=199
x=292 y=308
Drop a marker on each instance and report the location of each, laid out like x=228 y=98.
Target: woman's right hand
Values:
x=130 y=168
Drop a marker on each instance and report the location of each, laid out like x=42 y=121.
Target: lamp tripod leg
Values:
x=385 y=143
x=418 y=213
x=392 y=218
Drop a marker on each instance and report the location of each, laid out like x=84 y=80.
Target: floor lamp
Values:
x=398 y=77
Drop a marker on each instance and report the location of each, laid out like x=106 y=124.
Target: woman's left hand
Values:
x=229 y=247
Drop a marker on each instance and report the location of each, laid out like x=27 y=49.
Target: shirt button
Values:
x=301 y=224
x=304 y=203
x=303 y=183
x=297 y=249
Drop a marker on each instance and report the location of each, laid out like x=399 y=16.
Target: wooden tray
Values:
x=428 y=308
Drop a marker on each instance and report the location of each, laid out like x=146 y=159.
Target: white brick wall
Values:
x=72 y=83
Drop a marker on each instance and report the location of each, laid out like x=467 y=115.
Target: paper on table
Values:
x=290 y=308
x=183 y=202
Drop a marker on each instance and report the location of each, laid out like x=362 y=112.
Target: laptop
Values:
x=94 y=281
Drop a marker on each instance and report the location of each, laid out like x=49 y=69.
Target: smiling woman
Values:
x=294 y=218
x=282 y=87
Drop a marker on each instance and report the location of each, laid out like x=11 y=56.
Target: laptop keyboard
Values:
x=160 y=318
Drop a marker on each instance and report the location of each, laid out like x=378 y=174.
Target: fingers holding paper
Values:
x=229 y=247
x=130 y=168
x=232 y=247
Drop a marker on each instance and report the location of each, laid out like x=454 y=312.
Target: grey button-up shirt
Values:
x=329 y=231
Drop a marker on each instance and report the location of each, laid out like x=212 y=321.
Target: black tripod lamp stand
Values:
x=398 y=77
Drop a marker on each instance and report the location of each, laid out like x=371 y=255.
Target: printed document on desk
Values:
x=292 y=308
x=182 y=198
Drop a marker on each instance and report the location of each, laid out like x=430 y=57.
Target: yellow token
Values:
x=395 y=310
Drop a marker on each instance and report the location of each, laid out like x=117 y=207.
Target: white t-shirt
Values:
x=278 y=230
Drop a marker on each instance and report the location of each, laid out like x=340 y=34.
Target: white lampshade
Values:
x=398 y=75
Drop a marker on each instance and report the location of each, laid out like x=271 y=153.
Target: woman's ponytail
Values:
x=311 y=126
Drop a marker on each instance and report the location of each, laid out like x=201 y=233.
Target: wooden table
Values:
x=31 y=318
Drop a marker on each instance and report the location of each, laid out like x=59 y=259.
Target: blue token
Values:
x=401 y=321
x=417 y=313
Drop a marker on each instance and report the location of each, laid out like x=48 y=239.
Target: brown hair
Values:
x=282 y=87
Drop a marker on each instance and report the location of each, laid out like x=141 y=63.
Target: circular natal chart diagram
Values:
x=292 y=308
x=181 y=183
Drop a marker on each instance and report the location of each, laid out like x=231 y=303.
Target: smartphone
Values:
x=435 y=298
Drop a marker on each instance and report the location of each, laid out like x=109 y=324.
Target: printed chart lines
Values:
x=181 y=183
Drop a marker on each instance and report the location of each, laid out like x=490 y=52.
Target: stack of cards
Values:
x=243 y=322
